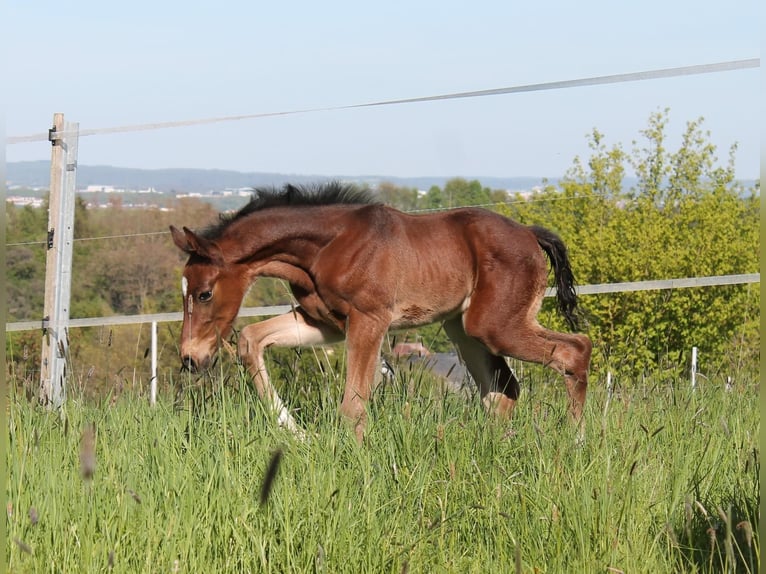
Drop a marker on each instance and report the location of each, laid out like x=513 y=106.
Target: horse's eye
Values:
x=205 y=296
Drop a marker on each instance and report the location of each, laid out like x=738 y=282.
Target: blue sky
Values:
x=110 y=64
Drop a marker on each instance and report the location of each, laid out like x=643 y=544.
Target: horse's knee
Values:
x=250 y=343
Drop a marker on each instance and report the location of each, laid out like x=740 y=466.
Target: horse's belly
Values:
x=416 y=314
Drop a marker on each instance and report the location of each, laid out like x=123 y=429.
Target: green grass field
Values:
x=667 y=481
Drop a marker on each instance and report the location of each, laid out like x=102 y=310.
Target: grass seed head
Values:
x=88 y=451
x=134 y=496
x=23 y=546
x=712 y=534
x=671 y=534
x=688 y=511
x=748 y=530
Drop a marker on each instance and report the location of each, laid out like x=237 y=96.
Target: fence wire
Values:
x=557 y=85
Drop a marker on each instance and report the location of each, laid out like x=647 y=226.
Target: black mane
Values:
x=327 y=193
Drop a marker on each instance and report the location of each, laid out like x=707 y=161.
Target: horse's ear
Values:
x=179 y=238
x=191 y=243
x=203 y=247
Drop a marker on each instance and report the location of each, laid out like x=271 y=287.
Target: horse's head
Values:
x=212 y=293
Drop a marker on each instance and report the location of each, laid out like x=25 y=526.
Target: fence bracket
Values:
x=53 y=137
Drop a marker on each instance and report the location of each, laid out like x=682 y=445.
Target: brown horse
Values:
x=359 y=268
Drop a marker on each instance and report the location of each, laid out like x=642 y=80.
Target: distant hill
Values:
x=37 y=174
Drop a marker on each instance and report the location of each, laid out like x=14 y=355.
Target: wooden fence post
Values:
x=58 y=263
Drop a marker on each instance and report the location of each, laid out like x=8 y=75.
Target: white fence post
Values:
x=608 y=396
x=694 y=368
x=153 y=385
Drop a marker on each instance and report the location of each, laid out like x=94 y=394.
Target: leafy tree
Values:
x=25 y=261
x=685 y=217
x=404 y=198
x=434 y=198
x=458 y=191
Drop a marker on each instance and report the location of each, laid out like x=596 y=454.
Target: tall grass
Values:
x=667 y=481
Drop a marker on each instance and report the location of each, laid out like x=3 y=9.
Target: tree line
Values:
x=686 y=215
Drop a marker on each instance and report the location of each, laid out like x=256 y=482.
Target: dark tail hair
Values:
x=565 y=292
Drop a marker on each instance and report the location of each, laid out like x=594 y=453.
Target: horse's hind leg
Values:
x=498 y=386
x=564 y=353
x=294 y=329
x=516 y=333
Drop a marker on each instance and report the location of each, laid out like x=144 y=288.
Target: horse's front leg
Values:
x=364 y=338
x=294 y=329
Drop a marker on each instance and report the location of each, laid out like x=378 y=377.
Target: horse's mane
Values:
x=326 y=193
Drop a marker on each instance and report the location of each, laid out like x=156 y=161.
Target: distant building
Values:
x=22 y=201
x=101 y=189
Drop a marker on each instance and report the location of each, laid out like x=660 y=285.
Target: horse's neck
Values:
x=291 y=236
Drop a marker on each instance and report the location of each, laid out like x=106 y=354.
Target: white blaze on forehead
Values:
x=184 y=286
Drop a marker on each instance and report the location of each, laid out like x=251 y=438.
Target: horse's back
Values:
x=458 y=240
x=480 y=232
x=426 y=267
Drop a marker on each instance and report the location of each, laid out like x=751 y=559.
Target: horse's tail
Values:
x=565 y=292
